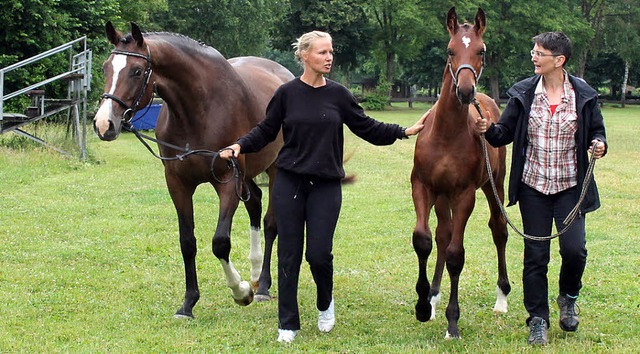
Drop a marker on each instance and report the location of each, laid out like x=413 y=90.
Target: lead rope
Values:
x=231 y=163
x=571 y=217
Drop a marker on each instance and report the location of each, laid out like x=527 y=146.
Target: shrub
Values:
x=378 y=99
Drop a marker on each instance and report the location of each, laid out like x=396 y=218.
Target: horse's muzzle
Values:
x=108 y=135
x=466 y=95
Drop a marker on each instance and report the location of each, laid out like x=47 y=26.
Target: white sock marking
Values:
x=255 y=253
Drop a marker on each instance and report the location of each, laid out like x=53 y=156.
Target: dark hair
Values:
x=556 y=42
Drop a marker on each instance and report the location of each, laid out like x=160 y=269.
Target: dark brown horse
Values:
x=449 y=167
x=208 y=103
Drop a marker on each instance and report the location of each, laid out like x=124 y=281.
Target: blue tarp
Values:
x=145 y=119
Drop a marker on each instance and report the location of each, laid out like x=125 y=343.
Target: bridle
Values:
x=232 y=164
x=147 y=76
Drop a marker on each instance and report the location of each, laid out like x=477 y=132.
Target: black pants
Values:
x=301 y=201
x=538 y=214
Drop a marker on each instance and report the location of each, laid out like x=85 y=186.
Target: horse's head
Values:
x=466 y=51
x=127 y=73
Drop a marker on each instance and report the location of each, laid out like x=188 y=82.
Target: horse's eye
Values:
x=450 y=52
x=138 y=72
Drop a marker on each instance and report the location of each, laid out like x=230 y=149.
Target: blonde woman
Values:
x=311 y=110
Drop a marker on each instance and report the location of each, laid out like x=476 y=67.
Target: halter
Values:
x=476 y=75
x=147 y=76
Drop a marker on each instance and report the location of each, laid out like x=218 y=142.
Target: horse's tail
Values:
x=348 y=179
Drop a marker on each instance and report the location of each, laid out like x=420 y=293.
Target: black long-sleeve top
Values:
x=312 y=126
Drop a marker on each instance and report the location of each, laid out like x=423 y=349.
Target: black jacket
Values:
x=514 y=121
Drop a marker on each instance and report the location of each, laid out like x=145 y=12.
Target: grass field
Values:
x=90 y=261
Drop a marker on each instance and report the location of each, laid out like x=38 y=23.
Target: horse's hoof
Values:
x=450 y=336
x=423 y=311
x=262 y=298
x=245 y=300
x=182 y=316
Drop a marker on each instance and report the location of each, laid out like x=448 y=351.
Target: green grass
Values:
x=90 y=261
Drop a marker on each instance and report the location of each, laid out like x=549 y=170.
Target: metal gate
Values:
x=78 y=77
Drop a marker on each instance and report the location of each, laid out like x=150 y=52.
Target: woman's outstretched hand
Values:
x=417 y=127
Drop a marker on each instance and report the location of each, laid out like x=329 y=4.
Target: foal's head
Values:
x=466 y=51
x=127 y=88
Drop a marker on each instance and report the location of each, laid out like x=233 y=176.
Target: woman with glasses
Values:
x=553 y=120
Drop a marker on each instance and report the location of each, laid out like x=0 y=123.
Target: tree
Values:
x=621 y=33
x=510 y=28
x=592 y=12
x=344 y=20
x=233 y=27
x=397 y=25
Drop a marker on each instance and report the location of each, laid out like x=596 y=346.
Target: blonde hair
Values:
x=305 y=41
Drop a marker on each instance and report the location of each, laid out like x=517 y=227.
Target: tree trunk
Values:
x=494 y=87
x=623 y=95
x=582 y=63
x=390 y=57
x=593 y=13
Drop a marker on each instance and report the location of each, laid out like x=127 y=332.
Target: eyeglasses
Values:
x=539 y=54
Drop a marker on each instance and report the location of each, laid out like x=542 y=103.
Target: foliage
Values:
x=344 y=20
x=233 y=27
x=397 y=26
x=378 y=99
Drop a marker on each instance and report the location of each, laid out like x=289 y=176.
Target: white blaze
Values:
x=102 y=116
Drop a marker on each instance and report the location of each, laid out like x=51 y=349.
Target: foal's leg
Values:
x=461 y=208
x=422 y=245
x=182 y=200
x=443 y=237
x=498 y=226
x=221 y=244
x=270 y=233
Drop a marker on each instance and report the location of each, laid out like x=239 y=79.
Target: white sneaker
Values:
x=327 y=318
x=286 y=335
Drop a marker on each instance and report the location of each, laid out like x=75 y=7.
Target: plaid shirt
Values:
x=551 y=164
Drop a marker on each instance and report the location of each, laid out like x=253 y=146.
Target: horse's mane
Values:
x=181 y=41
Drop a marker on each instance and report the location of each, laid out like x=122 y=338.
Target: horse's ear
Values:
x=112 y=34
x=137 y=34
x=452 y=21
x=481 y=22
